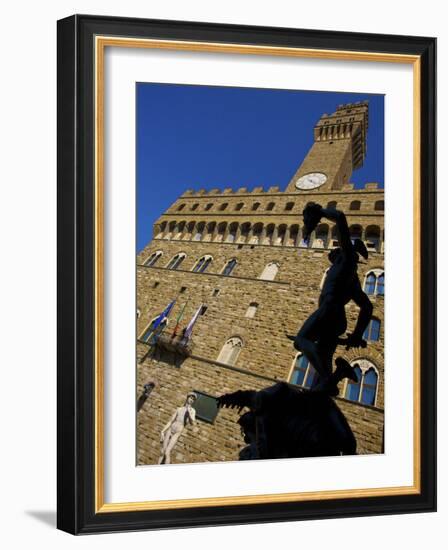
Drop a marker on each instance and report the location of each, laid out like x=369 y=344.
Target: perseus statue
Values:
x=320 y=334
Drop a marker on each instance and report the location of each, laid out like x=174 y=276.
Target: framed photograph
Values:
x=237 y=340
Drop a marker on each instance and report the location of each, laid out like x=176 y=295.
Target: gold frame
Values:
x=101 y=42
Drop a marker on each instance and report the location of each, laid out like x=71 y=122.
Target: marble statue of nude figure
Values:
x=175 y=426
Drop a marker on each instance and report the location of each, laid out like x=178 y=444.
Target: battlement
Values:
x=259 y=190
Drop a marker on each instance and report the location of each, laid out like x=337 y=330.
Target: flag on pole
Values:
x=179 y=319
x=189 y=329
x=165 y=313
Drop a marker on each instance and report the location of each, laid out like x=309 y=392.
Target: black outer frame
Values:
x=75 y=403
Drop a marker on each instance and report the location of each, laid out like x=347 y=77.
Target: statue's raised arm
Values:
x=313 y=213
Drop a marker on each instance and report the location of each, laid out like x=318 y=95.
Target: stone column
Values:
x=274 y=235
x=299 y=237
x=237 y=233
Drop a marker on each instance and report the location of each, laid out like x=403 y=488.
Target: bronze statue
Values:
x=320 y=334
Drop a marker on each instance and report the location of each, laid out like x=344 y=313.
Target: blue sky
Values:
x=193 y=137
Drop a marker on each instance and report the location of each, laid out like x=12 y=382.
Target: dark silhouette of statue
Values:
x=147 y=390
x=320 y=334
x=286 y=422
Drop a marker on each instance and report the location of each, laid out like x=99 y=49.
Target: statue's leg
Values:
x=326 y=350
x=170 y=446
x=311 y=331
x=164 y=446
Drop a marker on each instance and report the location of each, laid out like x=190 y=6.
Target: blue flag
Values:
x=165 y=313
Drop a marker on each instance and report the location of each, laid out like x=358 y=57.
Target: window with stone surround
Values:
x=289 y=206
x=374 y=282
x=229 y=267
x=270 y=271
x=153 y=258
x=176 y=260
x=303 y=373
x=202 y=264
x=366 y=388
x=372 y=332
x=230 y=351
x=270 y=206
x=355 y=205
x=379 y=205
x=251 y=310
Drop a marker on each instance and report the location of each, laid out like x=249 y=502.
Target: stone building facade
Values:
x=240 y=255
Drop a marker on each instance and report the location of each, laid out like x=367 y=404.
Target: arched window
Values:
x=372 y=331
x=373 y=237
x=256 y=206
x=289 y=206
x=332 y=204
x=202 y=264
x=365 y=389
x=293 y=235
x=355 y=232
x=281 y=232
x=270 y=206
x=208 y=206
x=223 y=206
x=374 y=282
x=221 y=230
x=198 y=231
x=231 y=235
x=269 y=234
x=256 y=233
x=369 y=384
x=209 y=232
x=230 y=351
x=153 y=258
x=180 y=207
x=379 y=205
x=195 y=206
x=245 y=228
x=321 y=238
x=380 y=284
x=239 y=206
x=355 y=205
x=170 y=232
x=176 y=260
x=229 y=267
x=179 y=230
x=269 y=272
x=303 y=373
x=352 y=390
x=251 y=310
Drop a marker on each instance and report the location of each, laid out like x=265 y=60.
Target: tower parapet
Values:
x=349 y=121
